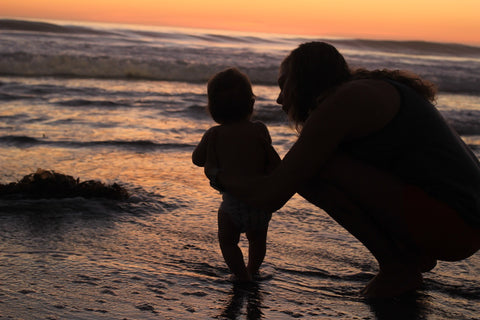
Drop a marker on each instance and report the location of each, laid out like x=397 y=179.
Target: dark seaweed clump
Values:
x=45 y=184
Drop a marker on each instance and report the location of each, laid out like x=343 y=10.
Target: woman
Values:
x=376 y=155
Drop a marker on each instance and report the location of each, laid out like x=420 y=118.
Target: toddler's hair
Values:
x=230 y=96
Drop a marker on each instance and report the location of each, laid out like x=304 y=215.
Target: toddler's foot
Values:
x=238 y=280
x=262 y=276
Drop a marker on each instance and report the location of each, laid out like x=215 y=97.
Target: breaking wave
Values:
x=32 y=48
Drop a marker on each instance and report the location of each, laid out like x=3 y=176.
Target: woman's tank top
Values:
x=421 y=148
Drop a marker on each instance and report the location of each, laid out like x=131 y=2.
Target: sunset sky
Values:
x=439 y=20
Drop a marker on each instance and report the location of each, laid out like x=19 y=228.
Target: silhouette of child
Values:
x=243 y=147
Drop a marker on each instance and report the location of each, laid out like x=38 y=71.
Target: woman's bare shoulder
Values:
x=365 y=105
x=371 y=89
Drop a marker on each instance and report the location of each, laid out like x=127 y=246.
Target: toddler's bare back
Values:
x=241 y=147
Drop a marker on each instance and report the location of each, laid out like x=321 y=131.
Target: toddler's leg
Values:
x=228 y=236
x=257 y=247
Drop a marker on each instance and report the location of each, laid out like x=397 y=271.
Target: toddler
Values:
x=242 y=147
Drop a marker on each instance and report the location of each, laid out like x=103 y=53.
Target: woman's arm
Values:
x=273 y=159
x=317 y=141
x=353 y=111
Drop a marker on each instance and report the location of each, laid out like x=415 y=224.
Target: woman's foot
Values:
x=394 y=282
x=427 y=264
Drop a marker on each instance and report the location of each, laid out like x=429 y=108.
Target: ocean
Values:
x=126 y=104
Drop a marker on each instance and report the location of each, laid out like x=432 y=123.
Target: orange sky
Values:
x=440 y=20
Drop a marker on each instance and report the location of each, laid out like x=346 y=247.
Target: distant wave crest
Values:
x=143 y=145
x=64 y=65
x=27 y=64
x=38 y=26
x=29 y=49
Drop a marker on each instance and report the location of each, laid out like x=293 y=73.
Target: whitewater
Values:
x=126 y=104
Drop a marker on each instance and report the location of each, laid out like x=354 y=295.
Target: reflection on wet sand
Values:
x=412 y=305
x=242 y=295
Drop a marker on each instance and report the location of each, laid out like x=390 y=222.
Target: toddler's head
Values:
x=230 y=96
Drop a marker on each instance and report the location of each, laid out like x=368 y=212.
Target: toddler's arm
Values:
x=199 y=155
x=273 y=159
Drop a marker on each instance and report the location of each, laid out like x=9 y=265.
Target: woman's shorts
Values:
x=437 y=227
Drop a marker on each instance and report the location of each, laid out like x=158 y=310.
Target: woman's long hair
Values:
x=311 y=70
x=315 y=69
x=423 y=87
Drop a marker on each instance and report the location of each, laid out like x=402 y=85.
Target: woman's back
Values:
x=421 y=148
